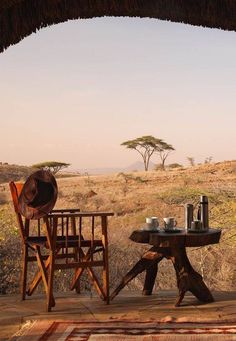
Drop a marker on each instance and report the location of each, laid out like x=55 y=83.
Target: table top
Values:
x=183 y=238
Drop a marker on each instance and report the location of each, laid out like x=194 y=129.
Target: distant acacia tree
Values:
x=208 y=159
x=191 y=160
x=52 y=166
x=164 y=150
x=146 y=146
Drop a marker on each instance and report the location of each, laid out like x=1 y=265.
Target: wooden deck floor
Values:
x=127 y=306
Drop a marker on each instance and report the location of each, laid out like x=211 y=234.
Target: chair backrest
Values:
x=16 y=189
x=77 y=230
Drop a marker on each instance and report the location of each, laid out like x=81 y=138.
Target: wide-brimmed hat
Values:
x=38 y=195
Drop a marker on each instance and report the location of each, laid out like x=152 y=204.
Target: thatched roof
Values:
x=19 y=18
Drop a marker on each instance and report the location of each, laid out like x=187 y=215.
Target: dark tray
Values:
x=175 y=230
x=143 y=228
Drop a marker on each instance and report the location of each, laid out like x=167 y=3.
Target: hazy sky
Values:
x=75 y=91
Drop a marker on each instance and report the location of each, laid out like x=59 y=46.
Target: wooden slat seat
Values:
x=72 y=242
x=37 y=240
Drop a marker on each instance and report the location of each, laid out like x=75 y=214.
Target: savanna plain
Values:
x=132 y=197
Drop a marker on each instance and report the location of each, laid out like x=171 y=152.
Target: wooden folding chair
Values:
x=70 y=239
x=30 y=240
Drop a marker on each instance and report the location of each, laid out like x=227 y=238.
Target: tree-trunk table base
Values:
x=171 y=246
x=187 y=278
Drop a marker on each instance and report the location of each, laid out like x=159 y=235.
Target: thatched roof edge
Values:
x=20 y=18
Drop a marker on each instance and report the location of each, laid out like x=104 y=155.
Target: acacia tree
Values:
x=164 y=150
x=145 y=146
x=52 y=166
x=191 y=160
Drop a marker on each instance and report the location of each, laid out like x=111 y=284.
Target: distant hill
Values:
x=14 y=172
x=98 y=171
x=136 y=166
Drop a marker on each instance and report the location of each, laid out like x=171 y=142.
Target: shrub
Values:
x=158 y=167
x=175 y=165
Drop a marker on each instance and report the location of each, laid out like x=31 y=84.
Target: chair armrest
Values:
x=65 y=210
x=81 y=214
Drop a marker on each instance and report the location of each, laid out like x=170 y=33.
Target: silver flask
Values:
x=188 y=215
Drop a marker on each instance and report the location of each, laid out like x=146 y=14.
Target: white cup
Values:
x=155 y=222
x=149 y=220
x=169 y=223
x=152 y=222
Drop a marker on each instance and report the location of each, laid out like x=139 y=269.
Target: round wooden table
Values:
x=173 y=247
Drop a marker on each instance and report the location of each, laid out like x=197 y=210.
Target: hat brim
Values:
x=46 y=195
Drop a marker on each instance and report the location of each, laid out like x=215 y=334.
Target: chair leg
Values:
x=50 y=298
x=106 y=277
x=79 y=271
x=37 y=279
x=24 y=272
x=77 y=287
x=105 y=260
x=45 y=276
x=96 y=284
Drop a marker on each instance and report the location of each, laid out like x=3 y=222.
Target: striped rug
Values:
x=140 y=331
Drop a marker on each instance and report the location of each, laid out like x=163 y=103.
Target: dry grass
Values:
x=132 y=197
